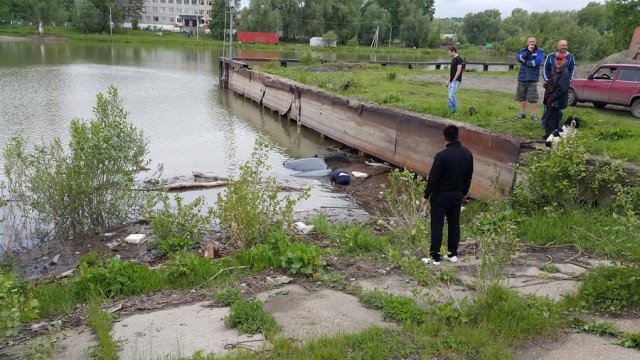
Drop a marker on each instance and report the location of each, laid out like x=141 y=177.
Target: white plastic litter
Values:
x=359 y=174
x=136 y=239
x=303 y=228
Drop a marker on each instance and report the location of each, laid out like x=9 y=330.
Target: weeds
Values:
x=248 y=317
x=601 y=329
x=610 y=289
x=227 y=297
x=100 y=322
x=43 y=349
x=630 y=341
x=401 y=308
x=18 y=304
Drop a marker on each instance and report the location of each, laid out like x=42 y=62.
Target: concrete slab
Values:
x=577 y=347
x=304 y=314
x=554 y=289
x=570 y=269
x=398 y=285
x=178 y=332
x=630 y=325
x=70 y=344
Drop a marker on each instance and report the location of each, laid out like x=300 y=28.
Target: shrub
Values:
x=308 y=58
x=401 y=200
x=188 y=265
x=302 y=259
x=562 y=175
x=185 y=221
x=329 y=37
x=90 y=188
x=174 y=244
x=18 y=305
x=252 y=203
x=248 y=317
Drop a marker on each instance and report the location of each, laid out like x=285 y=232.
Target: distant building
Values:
x=174 y=15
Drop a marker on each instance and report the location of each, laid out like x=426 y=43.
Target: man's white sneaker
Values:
x=453 y=259
x=429 y=261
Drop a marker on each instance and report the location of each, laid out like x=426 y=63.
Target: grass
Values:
x=100 y=322
x=495 y=110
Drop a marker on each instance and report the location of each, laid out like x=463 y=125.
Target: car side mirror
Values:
x=590 y=77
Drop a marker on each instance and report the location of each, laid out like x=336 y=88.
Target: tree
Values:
x=518 y=24
x=483 y=27
x=312 y=10
x=261 y=16
x=44 y=12
x=594 y=15
x=625 y=17
x=88 y=18
x=219 y=18
x=394 y=8
x=343 y=16
x=373 y=18
x=414 y=28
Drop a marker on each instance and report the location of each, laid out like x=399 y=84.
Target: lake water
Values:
x=172 y=94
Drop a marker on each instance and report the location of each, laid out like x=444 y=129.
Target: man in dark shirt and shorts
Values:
x=455 y=78
x=449 y=182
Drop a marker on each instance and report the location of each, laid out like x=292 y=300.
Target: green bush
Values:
x=18 y=305
x=308 y=58
x=401 y=202
x=248 y=317
x=562 y=176
x=90 y=188
x=185 y=221
x=302 y=259
x=253 y=203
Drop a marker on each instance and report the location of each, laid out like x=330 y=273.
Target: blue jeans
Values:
x=453 y=90
x=543 y=119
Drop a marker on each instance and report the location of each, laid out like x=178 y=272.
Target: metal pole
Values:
x=230 y=31
x=197 y=25
x=110 y=22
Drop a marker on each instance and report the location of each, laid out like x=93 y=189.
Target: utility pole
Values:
x=197 y=24
x=110 y=22
x=231 y=29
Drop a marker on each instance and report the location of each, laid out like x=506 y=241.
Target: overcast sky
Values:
x=460 y=8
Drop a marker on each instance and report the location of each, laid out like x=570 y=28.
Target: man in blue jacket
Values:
x=530 y=60
x=550 y=67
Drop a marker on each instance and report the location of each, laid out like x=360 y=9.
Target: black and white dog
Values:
x=569 y=129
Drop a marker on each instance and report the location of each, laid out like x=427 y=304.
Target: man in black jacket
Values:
x=556 y=94
x=448 y=184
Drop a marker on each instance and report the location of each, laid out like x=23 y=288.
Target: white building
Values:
x=174 y=15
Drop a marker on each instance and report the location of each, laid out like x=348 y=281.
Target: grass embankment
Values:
x=616 y=135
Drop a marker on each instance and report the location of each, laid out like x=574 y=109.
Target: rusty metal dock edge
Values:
x=402 y=138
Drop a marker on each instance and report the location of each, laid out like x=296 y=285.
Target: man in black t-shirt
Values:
x=455 y=78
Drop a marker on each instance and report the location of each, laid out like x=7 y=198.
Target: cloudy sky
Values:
x=459 y=8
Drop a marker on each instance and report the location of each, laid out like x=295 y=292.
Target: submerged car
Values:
x=615 y=84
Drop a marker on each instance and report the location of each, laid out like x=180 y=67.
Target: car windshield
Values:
x=605 y=73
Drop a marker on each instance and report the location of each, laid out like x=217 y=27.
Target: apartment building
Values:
x=175 y=15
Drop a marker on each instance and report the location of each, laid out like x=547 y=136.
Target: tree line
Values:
x=86 y=15
x=593 y=32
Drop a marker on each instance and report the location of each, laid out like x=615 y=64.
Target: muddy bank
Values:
x=32 y=38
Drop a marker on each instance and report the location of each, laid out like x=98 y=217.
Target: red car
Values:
x=616 y=84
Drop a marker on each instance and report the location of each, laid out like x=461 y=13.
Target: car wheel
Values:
x=635 y=108
x=599 y=105
x=572 y=99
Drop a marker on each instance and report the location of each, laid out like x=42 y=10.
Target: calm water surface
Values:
x=171 y=94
